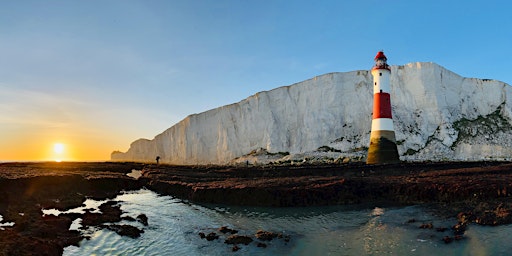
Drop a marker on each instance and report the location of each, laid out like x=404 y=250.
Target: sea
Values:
x=174 y=227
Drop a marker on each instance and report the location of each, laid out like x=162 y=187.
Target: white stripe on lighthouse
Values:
x=382 y=124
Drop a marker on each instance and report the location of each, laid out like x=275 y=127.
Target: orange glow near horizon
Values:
x=56 y=127
x=70 y=148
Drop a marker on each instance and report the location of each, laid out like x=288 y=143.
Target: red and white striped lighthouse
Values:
x=383 y=147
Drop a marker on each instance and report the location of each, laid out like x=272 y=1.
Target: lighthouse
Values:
x=382 y=138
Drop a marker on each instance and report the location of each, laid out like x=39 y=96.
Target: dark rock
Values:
x=458 y=237
x=212 y=236
x=202 y=235
x=142 y=218
x=110 y=212
x=225 y=229
x=125 y=230
x=128 y=218
x=442 y=229
x=467 y=188
x=235 y=248
x=265 y=235
x=459 y=228
x=427 y=226
x=465 y=217
x=29 y=187
x=262 y=245
x=238 y=239
x=447 y=239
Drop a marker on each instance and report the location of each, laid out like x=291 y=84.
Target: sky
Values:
x=94 y=76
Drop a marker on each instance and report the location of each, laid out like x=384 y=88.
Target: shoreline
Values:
x=473 y=192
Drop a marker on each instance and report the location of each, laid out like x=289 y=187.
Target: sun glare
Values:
x=58 y=148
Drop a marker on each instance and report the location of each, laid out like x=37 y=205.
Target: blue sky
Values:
x=106 y=73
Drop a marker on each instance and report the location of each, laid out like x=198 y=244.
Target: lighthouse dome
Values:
x=381 y=61
x=380 y=55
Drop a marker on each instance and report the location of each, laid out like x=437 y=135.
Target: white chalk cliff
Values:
x=438 y=115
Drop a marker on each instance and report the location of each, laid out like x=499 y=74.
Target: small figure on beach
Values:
x=157 y=159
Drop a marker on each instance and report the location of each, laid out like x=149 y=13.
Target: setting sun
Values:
x=58 y=148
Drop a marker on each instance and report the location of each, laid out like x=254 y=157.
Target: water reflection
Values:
x=89 y=204
x=136 y=174
x=339 y=230
x=6 y=224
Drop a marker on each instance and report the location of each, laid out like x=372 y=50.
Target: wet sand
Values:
x=474 y=192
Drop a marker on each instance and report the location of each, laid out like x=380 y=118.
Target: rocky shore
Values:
x=474 y=192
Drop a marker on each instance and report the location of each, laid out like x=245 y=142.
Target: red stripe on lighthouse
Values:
x=381 y=105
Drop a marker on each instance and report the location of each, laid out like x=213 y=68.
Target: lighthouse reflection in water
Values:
x=174 y=226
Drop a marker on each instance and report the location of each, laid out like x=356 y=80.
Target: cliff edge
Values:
x=438 y=116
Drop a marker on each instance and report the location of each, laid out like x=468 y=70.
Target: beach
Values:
x=471 y=192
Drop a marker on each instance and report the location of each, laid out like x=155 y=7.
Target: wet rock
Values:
x=52 y=185
x=465 y=217
x=412 y=183
x=212 y=236
x=124 y=230
x=459 y=228
x=265 y=235
x=447 y=239
x=110 y=212
x=235 y=248
x=458 y=237
x=441 y=229
x=225 y=229
x=202 y=235
x=142 y=218
x=238 y=239
x=261 y=245
x=427 y=226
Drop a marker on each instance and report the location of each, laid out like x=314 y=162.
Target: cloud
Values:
x=36 y=108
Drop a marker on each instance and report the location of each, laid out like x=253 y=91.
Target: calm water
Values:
x=174 y=226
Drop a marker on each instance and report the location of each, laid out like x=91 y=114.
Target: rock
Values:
x=110 y=212
x=142 y=218
x=427 y=226
x=442 y=229
x=238 y=239
x=447 y=239
x=125 y=230
x=465 y=217
x=225 y=229
x=459 y=228
x=62 y=186
x=235 y=248
x=261 y=245
x=458 y=237
x=212 y=236
x=265 y=235
x=202 y=235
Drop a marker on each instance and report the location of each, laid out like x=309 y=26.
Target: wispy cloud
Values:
x=36 y=108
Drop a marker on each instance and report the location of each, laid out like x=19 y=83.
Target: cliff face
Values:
x=438 y=115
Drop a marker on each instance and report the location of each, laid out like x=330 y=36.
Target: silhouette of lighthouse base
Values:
x=383 y=149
